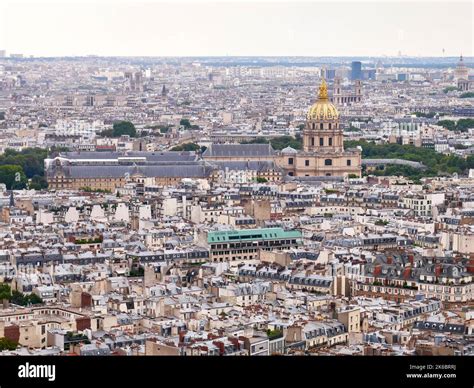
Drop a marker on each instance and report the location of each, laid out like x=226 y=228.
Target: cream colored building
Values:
x=323 y=145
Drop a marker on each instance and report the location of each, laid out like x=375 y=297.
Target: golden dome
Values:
x=323 y=109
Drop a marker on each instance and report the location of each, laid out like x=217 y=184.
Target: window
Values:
x=328 y=174
x=290 y=160
x=329 y=125
x=328 y=162
x=349 y=162
x=306 y=162
x=312 y=141
x=321 y=126
x=330 y=140
x=321 y=141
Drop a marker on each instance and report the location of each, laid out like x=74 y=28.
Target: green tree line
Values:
x=17 y=297
x=189 y=147
x=16 y=167
x=278 y=143
x=435 y=162
x=462 y=125
x=120 y=128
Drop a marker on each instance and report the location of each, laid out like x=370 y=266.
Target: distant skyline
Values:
x=245 y=28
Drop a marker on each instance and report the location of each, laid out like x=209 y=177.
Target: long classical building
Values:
x=110 y=170
x=323 y=155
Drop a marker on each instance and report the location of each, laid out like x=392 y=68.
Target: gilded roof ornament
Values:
x=323 y=90
x=323 y=109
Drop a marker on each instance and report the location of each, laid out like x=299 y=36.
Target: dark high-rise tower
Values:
x=356 y=70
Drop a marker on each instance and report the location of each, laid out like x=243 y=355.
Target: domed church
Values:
x=323 y=151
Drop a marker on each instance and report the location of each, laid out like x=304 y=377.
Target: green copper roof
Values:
x=252 y=235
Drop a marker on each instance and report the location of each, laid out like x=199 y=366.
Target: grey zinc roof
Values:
x=167 y=156
x=184 y=171
x=90 y=155
x=251 y=165
x=239 y=150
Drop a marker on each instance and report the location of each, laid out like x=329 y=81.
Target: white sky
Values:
x=199 y=28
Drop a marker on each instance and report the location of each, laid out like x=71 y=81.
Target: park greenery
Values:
x=467 y=95
x=12 y=176
x=7 y=344
x=279 y=143
x=5 y=292
x=187 y=124
x=436 y=163
x=187 y=147
x=88 y=189
x=120 y=128
x=462 y=125
x=274 y=334
x=17 y=297
x=140 y=271
x=16 y=167
x=96 y=240
x=450 y=89
x=25 y=299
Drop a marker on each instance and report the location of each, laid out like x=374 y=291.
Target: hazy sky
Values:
x=189 y=28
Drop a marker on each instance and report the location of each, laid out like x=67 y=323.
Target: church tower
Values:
x=461 y=71
x=323 y=151
x=322 y=132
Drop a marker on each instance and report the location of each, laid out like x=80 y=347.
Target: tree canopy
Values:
x=462 y=125
x=435 y=162
x=120 y=128
x=17 y=297
x=187 y=147
x=24 y=300
x=428 y=115
x=7 y=344
x=29 y=163
x=450 y=89
x=13 y=177
x=5 y=291
x=279 y=143
x=187 y=124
